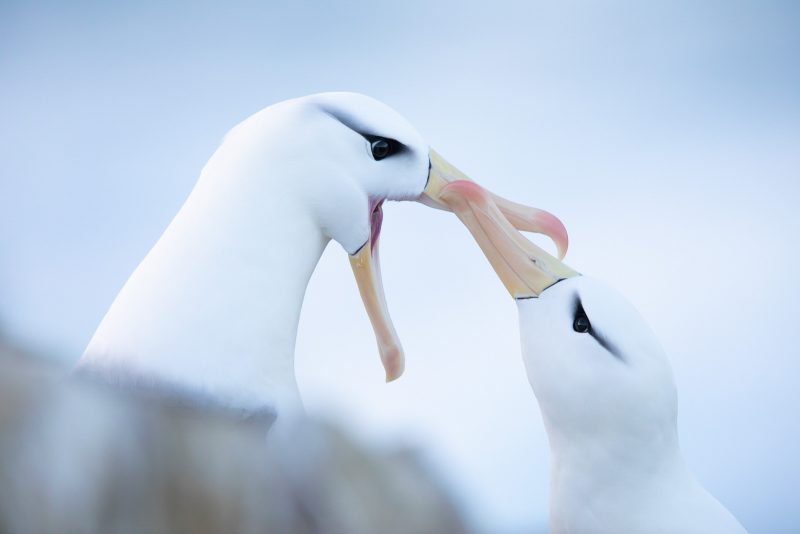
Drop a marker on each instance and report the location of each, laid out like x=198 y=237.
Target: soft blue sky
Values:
x=664 y=134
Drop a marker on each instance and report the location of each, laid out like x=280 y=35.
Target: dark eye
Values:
x=382 y=147
x=581 y=322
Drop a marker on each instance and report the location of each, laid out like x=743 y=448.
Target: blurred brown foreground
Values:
x=79 y=457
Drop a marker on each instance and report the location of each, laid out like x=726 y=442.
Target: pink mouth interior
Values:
x=376 y=220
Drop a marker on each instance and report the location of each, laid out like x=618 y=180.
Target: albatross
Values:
x=212 y=310
x=604 y=387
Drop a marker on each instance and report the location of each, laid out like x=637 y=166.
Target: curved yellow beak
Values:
x=367 y=270
x=524 y=268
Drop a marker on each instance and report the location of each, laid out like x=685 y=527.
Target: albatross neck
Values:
x=612 y=466
x=214 y=307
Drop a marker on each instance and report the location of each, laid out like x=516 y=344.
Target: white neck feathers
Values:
x=214 y=306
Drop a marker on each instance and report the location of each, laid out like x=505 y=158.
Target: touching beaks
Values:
x=521 y=217
x=524 y=268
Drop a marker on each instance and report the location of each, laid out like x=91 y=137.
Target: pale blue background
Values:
x=666 y=135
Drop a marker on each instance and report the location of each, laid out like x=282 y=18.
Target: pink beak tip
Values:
x=535 y=219
x=548 y=224
x=561 y=238
x=393 y=362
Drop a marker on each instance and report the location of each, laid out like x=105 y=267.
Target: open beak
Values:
x=525 y=269
x=367 y=270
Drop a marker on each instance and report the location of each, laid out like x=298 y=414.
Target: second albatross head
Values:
x=359 y=153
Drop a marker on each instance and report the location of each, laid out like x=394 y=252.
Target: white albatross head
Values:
x=596 y=368
x=347 y=154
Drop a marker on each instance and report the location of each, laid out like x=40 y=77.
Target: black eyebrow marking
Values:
x=577 y=306
x=606 y=344
x=348 y=121
x=342 y=118
x=600 y=338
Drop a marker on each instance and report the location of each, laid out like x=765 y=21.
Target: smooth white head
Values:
x=597 y=370
x=342 y=154
x=607 y=395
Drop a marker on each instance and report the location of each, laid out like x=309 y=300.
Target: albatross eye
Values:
x=380 y=149
x=581 y=324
